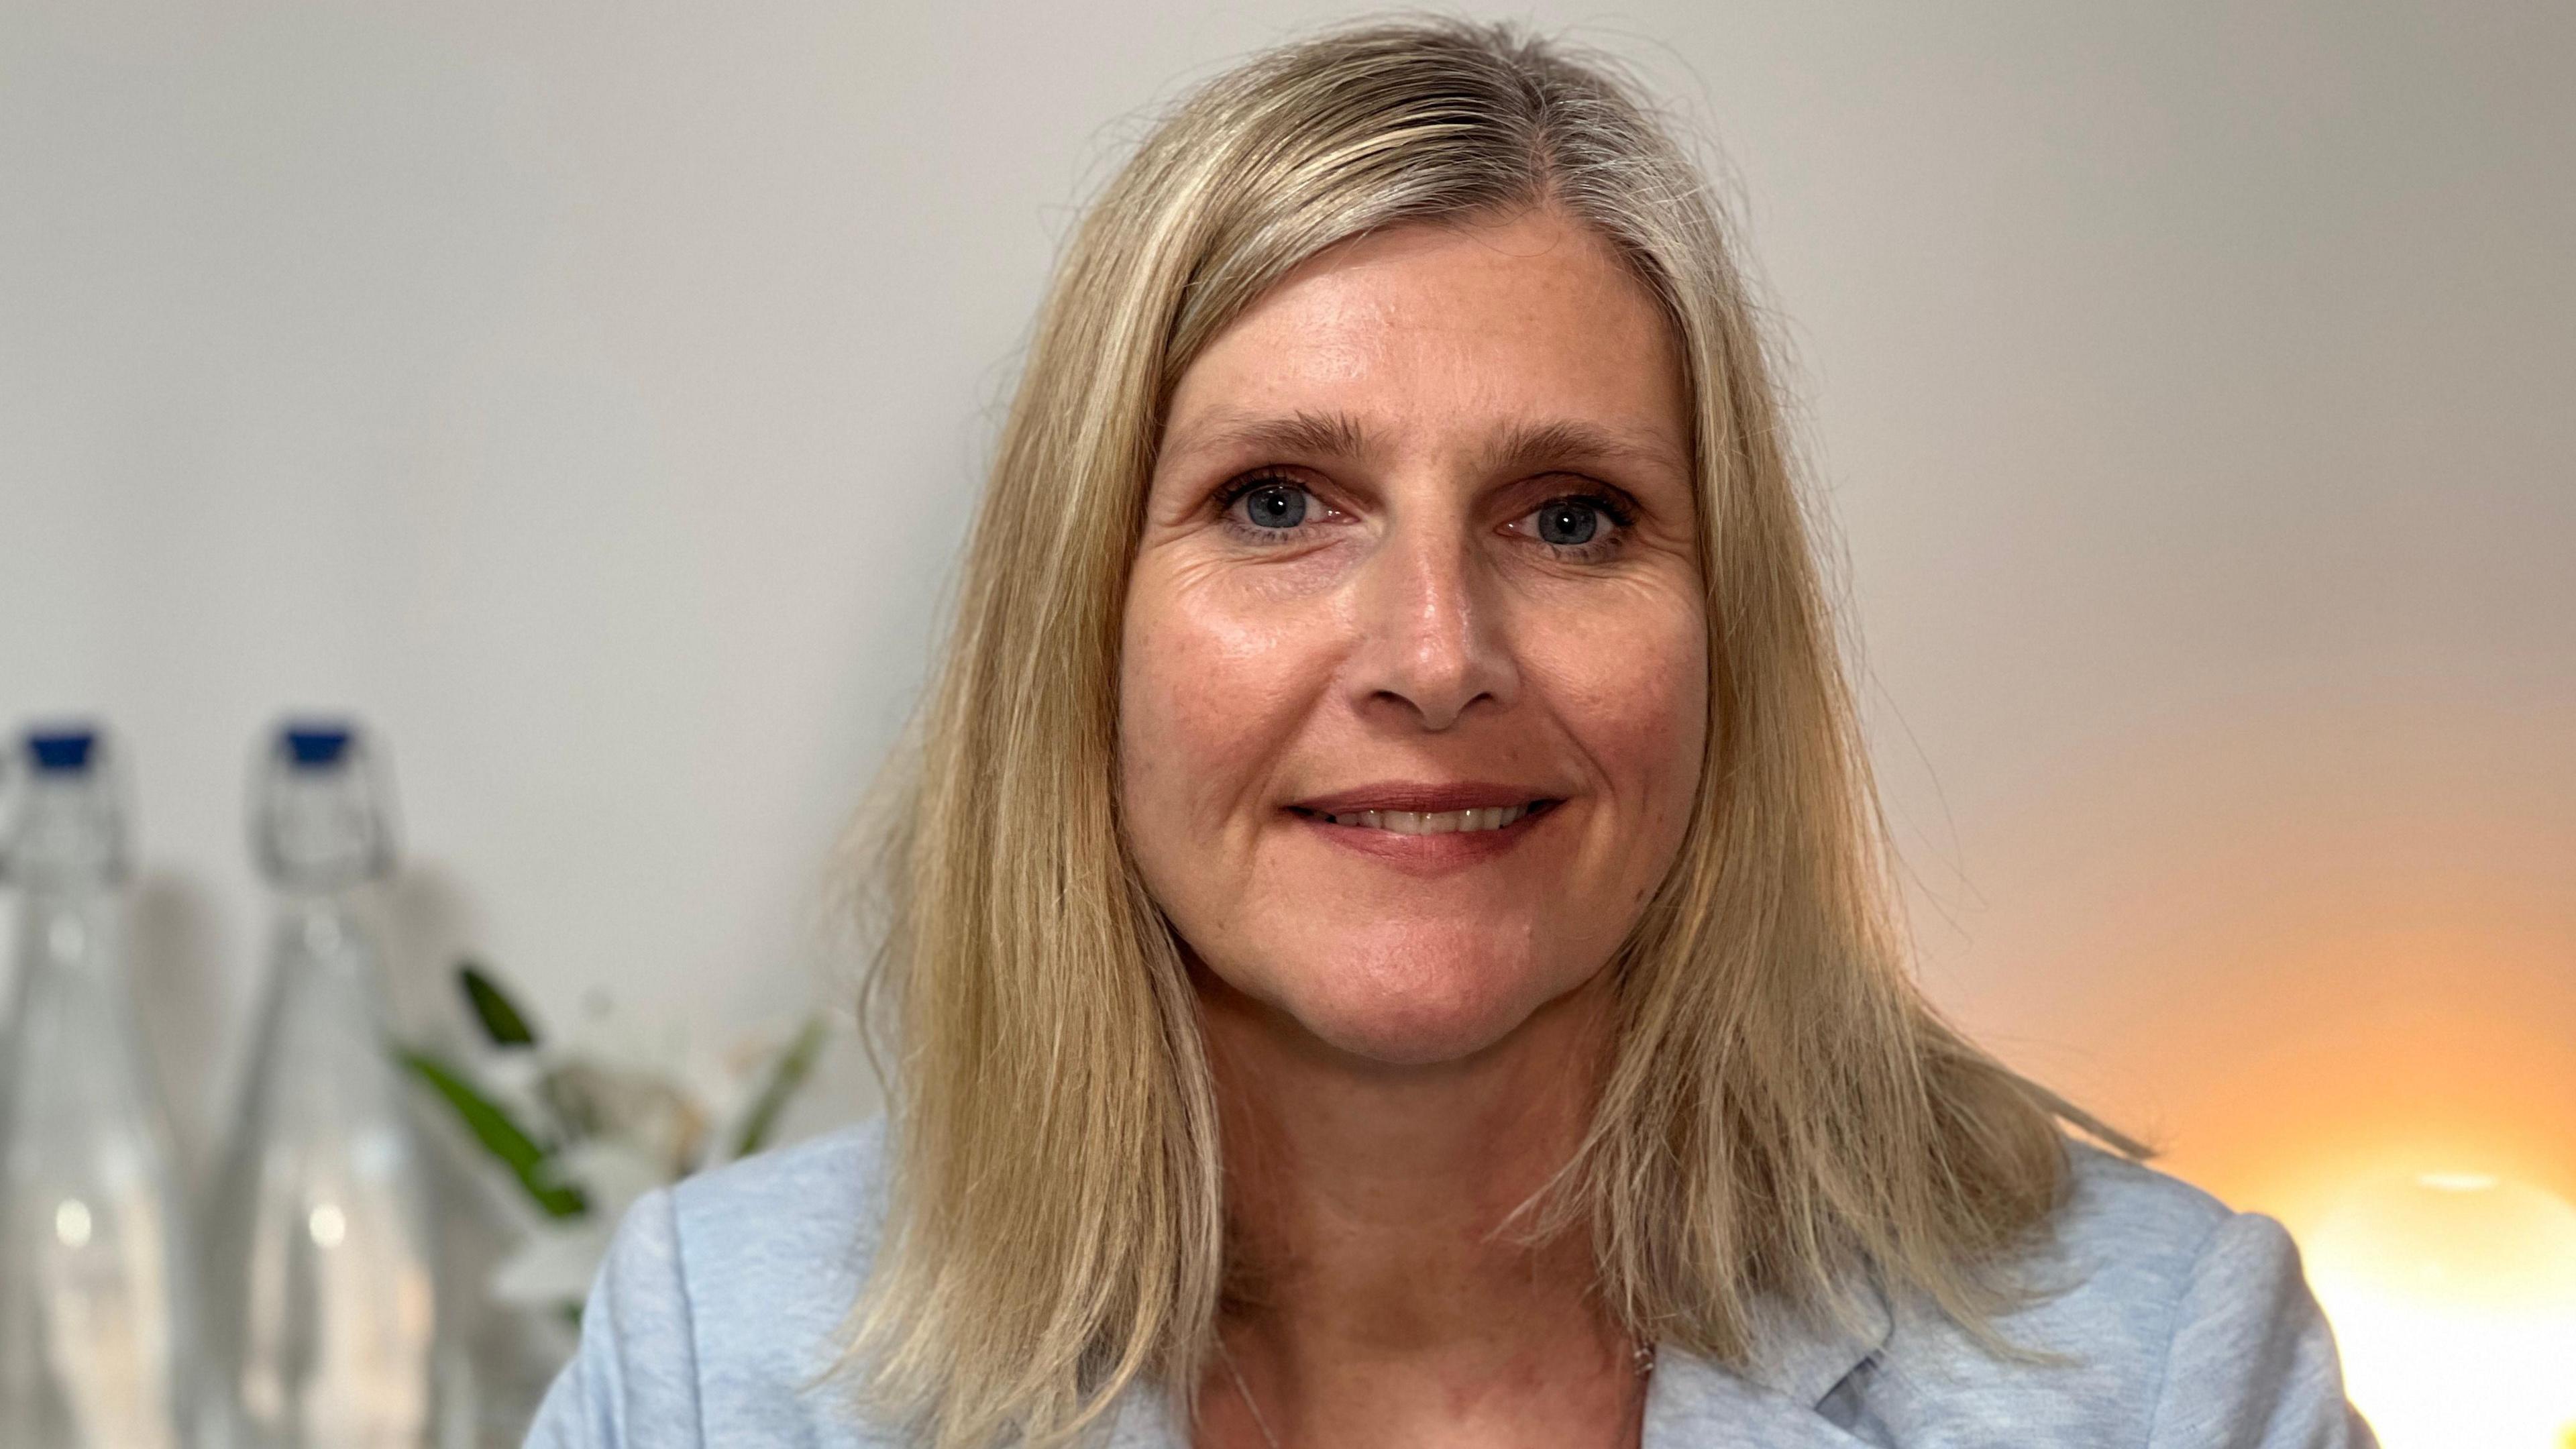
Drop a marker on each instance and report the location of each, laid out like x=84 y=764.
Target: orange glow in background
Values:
x=2331 y=973
x=2453 y=1297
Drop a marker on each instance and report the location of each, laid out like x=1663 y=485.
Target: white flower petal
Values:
x=555 y=1265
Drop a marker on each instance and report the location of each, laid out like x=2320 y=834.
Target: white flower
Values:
x=561 y=1256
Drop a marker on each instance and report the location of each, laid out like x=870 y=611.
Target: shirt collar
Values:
x=1802 y=1354
x=1797 y=1358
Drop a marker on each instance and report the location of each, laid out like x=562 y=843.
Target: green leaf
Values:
x=502 y=1021
x=787 y=1074
x=501 y=1136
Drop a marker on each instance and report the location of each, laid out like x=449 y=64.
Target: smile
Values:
x=1432 y=822
x=1427 y=831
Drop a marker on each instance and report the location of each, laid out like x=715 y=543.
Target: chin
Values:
x=1417 y=1008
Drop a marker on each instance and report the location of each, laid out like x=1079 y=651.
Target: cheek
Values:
x=1209 y=695
x=1635 y=699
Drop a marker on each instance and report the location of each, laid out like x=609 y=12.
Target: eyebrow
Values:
x=1536 y=446
x=1339 y=436
x=1307 y=434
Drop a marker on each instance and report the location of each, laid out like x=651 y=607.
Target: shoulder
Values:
x=720 y=1312
x=2124 y=1241
x=2155 y=1315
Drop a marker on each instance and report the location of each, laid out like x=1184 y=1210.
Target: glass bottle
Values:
x=98 y=1325
x=323 y=1271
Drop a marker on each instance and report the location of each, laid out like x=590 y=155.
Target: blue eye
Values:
x=1273 y=505
x=1568 y=522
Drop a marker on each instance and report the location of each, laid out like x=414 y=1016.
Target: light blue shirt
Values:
x=2190 y=1327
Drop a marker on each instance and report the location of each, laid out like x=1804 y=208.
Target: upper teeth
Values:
x=1418 y=822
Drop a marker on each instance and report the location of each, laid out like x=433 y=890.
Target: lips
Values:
x=1424 y=798
x=1419 y=809
x=1438 y=822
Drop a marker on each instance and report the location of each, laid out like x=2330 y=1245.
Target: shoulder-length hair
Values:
x=1782 y=1105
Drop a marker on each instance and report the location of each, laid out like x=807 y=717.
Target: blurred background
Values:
x=592 y=399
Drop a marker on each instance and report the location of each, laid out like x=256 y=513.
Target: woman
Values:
x=1390 y=945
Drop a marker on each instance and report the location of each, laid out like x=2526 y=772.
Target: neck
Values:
x=1381 y=1290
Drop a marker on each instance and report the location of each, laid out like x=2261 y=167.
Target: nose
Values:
x=1432 y=640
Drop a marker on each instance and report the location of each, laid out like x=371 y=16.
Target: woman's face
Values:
x=1414 y=681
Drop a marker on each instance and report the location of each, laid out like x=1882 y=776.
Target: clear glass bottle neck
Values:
x=329 y=935
x=69 y=930
x=322 y=923
x=69 y=835
x=321 y=828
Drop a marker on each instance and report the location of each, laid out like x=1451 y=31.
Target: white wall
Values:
x=592 y=396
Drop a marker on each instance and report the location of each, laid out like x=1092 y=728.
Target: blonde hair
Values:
x=1783 y=1106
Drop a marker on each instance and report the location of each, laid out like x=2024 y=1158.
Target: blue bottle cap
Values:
x=65 y=752
x=320 y=805
x=315 y=746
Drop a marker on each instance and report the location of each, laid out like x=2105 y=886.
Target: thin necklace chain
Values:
x=1245 y=1390
x=1645 y=1361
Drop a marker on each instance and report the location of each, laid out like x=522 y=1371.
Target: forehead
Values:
x=1442 y=335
